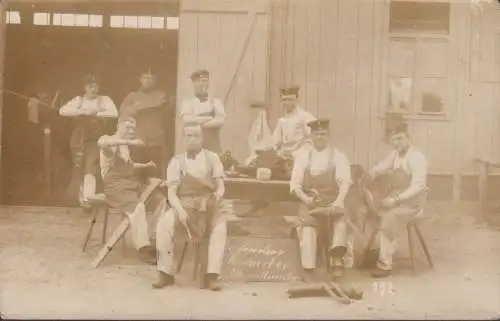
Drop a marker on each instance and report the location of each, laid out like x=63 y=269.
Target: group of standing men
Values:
x=321 y=177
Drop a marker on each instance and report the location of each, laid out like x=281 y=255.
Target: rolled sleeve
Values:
x=219 y=109
x=299 y=167
x=174 y=172
x=418 y=167
x=342 y=169
x=71 y=108
x=186 y=110
x=110 y=110
x=383 y=166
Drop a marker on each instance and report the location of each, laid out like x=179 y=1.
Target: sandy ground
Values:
x=44 y=274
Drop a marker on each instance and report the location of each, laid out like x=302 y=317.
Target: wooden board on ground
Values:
x=260 y=259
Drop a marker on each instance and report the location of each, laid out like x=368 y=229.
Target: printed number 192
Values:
x=383 y=287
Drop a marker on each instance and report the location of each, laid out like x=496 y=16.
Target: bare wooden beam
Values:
x=2 y=63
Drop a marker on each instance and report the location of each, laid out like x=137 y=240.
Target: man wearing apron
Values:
x=291 y=132
x=404 y=175
x=321 y=179
x=121 y=186
x=147 y=106
x=90 y=113
x=204 y=110
x=195 y=181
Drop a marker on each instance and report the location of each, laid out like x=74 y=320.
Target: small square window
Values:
x=173 y=23
x=41 y=18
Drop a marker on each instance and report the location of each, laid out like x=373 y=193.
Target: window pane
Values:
x=95 y=20
x=402 y=57
x=400 y=90
x=173 y=23
x=41 y=19
x=414 y=16
x=432 y=58
x=56 y=19
x=116 y=21
x=144 y=22
x=432 y=93
x=13 y=17
x=67 y=19
x=157 y=22
x=81 y=20
x=130 y=22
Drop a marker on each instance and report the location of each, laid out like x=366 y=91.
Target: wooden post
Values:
x=483 y=186
x=3 y=34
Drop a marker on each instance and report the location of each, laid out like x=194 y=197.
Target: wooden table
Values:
x=261 y=191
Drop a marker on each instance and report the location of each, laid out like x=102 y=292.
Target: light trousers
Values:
x=165 y=233
x=139 y=227
x=391 y=224
x=307 y=236
x=88 y=187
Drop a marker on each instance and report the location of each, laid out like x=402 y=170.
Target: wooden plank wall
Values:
x=207 y=41
x=337 y=51
x=333 y=50
x=481 y=103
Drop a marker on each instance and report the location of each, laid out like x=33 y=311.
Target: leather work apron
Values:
x=196 y=196
x=323 y=187
x=121 y=186
x=84 y=149
x=390 y=184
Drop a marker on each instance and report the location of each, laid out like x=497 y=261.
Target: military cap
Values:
x=148 y=73
x=200 y=74
x=90 y=79
x=319 y=124
x=294 y=90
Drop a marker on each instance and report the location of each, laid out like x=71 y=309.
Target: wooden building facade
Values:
x=437 y=62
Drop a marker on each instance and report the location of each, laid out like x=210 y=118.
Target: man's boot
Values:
x=148 y=254
x=163 y=280
x=212 y=282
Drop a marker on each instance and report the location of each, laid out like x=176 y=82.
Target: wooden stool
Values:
x=123 y=227
x=413 y=225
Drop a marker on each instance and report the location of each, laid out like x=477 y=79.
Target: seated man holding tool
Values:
x=321 y=178
x=396 y=191
x=195 y=182
x=121 y=185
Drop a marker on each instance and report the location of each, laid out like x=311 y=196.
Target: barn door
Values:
x=230 y=39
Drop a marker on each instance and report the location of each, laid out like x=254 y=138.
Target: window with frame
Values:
x=417 y=71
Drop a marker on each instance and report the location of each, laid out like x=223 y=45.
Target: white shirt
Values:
x=194 y=107
x=292 y=128
x=414 y=163
x=102 y=106
x=319 y=162
x=197 y=167
x=108 y=155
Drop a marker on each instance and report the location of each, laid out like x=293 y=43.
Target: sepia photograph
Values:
x=250 y=159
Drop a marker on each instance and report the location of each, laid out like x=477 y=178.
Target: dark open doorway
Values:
x=51 y=57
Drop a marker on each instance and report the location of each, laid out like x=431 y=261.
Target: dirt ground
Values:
x=44 y=274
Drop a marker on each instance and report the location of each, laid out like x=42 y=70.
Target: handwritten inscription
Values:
x=261 y=259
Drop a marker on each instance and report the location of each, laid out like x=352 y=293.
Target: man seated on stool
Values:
x=195 y=182
x=321 y=179
x=121 y=185
x=405 y=173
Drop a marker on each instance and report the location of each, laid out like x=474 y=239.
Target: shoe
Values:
x=337 y=271
x=379 y=273
x=212 y=282
x=163 y=280
x=308 y=275
x=370 y=259
x=148 y=254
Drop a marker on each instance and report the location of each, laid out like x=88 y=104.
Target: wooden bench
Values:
x=485 y=166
